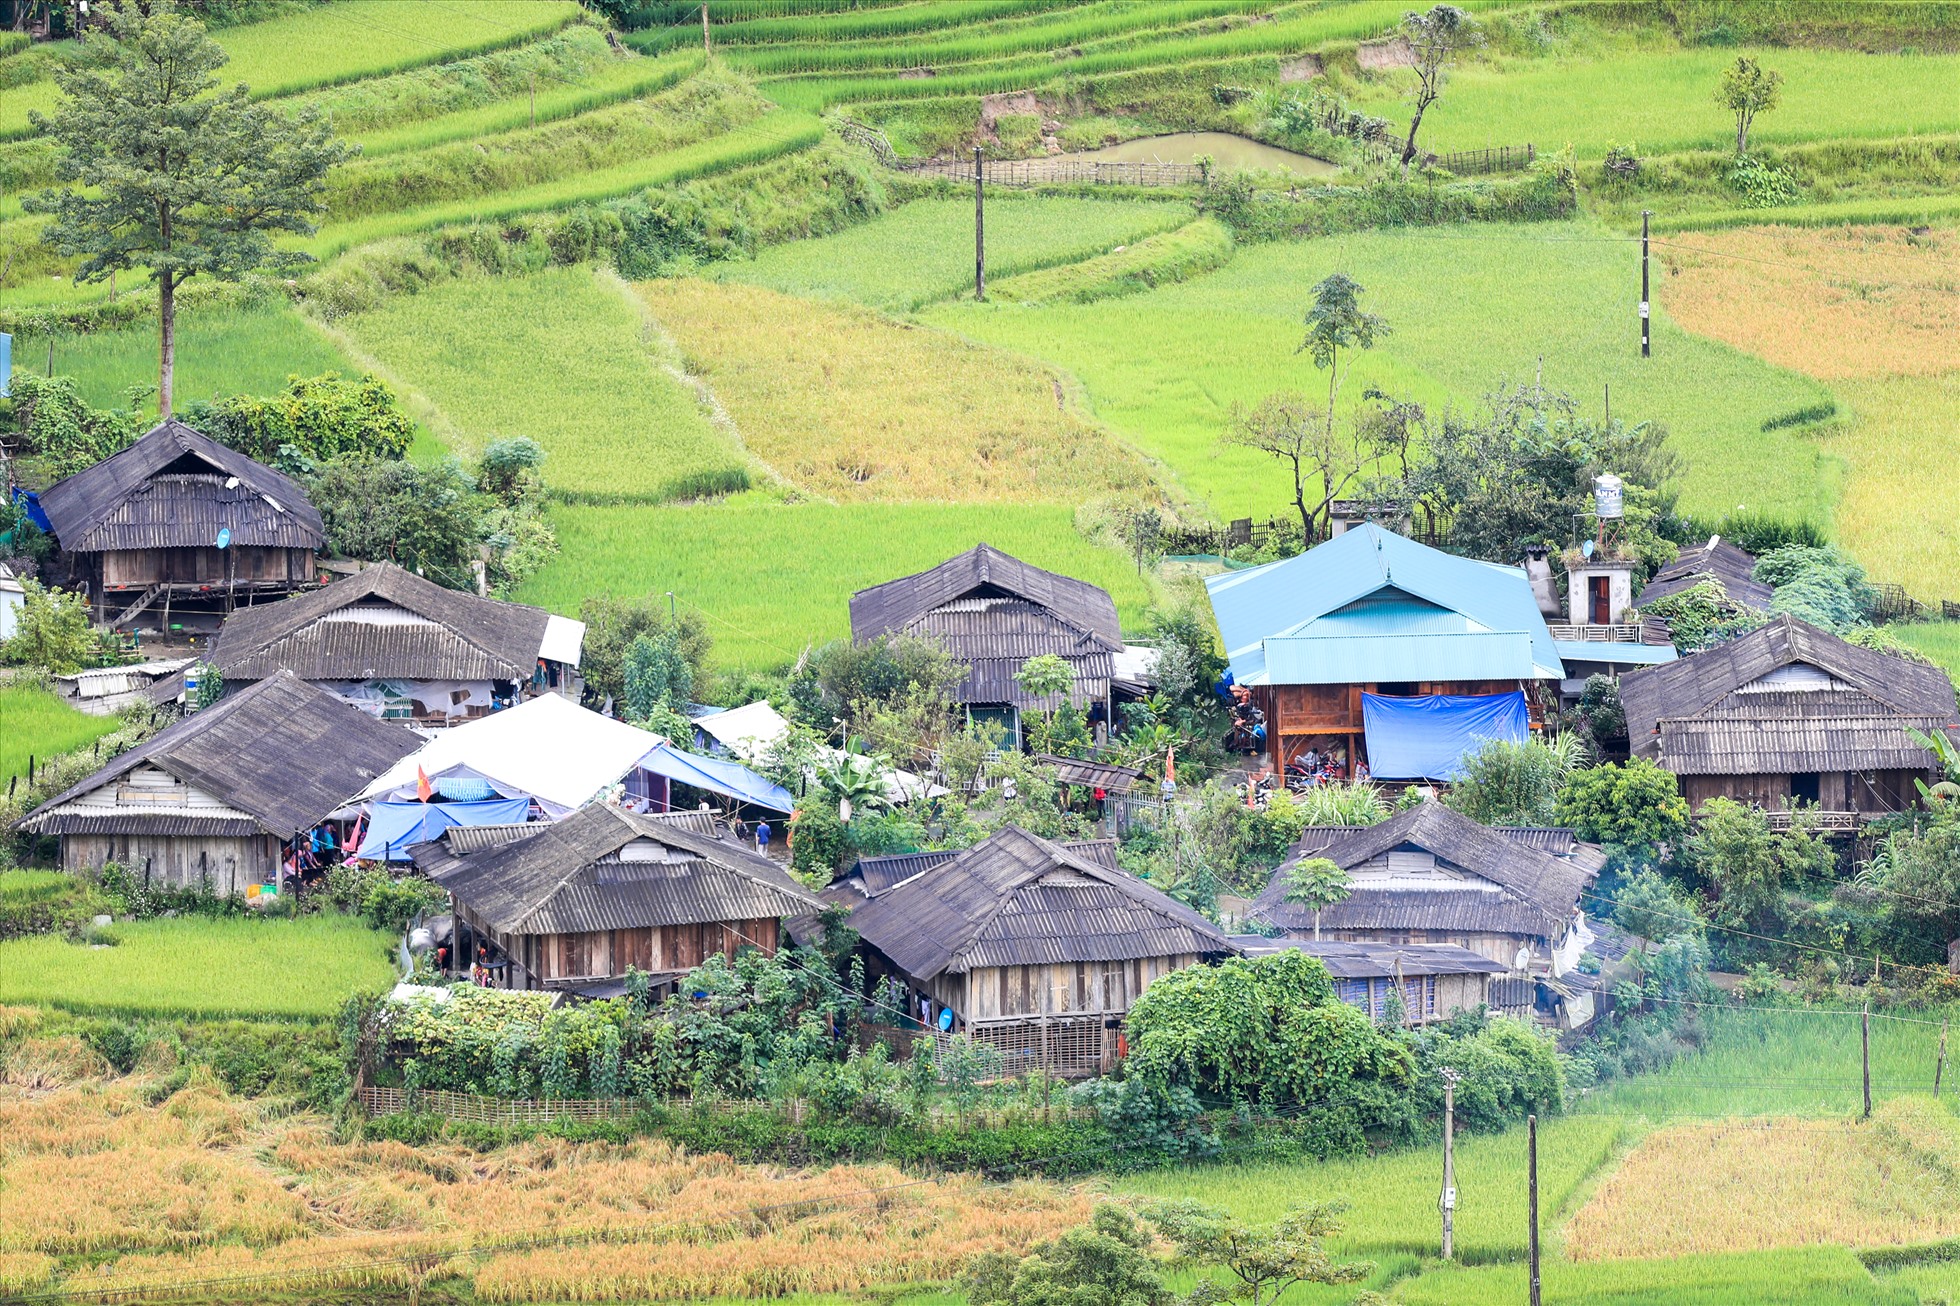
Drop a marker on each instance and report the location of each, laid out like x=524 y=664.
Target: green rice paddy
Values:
x=36 y=724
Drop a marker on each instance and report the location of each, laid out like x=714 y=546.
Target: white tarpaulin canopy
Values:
x=751 y=729
x=554 y=750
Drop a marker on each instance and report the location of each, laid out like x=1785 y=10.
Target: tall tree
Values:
x=1435 y=39
x=1285 y=426
x=1747 y=89
x=1336 y=322
x=171 y=174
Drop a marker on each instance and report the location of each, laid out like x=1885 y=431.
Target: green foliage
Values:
x=511 y=470
x=1261 y=1264
x=56 y=425
x=52 y=631
x=1635 y=808
x=1819 y=585
x=1749 y=866
x=1344 y=802
x=1702 y=615
x=392 y=905
x=1916 y=875
x=424 y=518
x=1318 y=883
x=36 y=902
x=657 y=674
x=1104 y=1263
x=1653 y=907
x=1507 y=783
x=1160 y=260
x=1602 y=714
x=614 y=625
x=1761 y=184
x=1747 y=89
x=315 y=418
x=1266 y=1029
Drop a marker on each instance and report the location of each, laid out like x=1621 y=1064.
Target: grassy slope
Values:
x=35 y=723
x=772 y=577
x=1664 y=100
x=924 y=250
x=1467 y=311
x=556 y=357
x=1938 y=640
x=237 y=966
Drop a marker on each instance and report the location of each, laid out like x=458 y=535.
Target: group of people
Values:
x=1317 y=767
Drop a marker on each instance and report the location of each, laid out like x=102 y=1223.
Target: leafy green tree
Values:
x=1318 y=883
x=1507 y=783
x=611 y=626
x=1261 y=1263
x=55 y=425
x=52 y=631
x=424 y=518
x=1747 y=89
x=1335 y=322
x=169 y=174
x=1819 y=585
x=1435 y=39
x=1045 y=678
x=817 y=842
x=1653 y=907
x=512 y=469
x=657 y=675
x=314 y=418
x=853 y=678
x=1635 y=808
x=1285 y=426
x=1748 y=865
x=1104 y=1263
x=1913 y=881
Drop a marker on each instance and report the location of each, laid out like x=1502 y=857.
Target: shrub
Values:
x=1506 y=783
x=1818 y=585
x=1633 y=807
x=392 y=904
x=316 y=418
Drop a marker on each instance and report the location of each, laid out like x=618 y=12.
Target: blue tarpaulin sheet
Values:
x=1426 y=738
x=718 y=776
x=33 y=504
x=394 y=828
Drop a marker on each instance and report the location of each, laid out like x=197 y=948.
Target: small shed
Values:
x=1787 y=714
x=1033 y=948
x=179 y=519
x=404 y=648
x=993 y=612
x=218 y=797
x=1436 y=980
x=576 y=904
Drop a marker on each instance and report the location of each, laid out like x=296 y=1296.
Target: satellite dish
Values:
x=1523 y=961
x=224 y=537
x=1586 y=548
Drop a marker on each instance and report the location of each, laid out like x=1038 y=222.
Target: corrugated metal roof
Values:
x=570 y=877
x=282 y=750
x=1379 y=586
x=171 y=489
x=1717 y=559
x=1357 y=959
x=888 y=608
x=147 y=823
x=1017 y=900
x=1486 y=655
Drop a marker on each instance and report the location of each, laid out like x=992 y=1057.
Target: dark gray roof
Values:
x=994 y=612
x=1016 y=899
x=463 y=840
x=1369 y=960
x=875 y=875
x=386 y=623
x=283 y=751
x=1526 y=890
x=171 y=490
x=1698 y=716
x=1718 y=559
x=570 y=877
x=1091 y=774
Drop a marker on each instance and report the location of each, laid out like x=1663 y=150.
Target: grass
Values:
x=343 y=42
x=771 y=578
x=35 y=723
x=1663 y=100
x=1938 y=640
x=1825 y=1276
x=560 y=358
x=202 y=966
x=1910 y=211
x=1466 y=311
x=850 y=405
x=1160 y=260
x=923 y=251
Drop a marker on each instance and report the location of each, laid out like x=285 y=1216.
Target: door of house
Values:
x=1805 y=786
x=1600 y=592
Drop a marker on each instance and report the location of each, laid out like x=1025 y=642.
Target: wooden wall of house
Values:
x=607 y=954
x=1067 y=989
x=179 y=861
x=1837 y=791
x=1500 y=948
x=141 y=568
x=1297 y=713
x=1456 y=993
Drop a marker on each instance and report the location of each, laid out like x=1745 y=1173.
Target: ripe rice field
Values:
x=564 y=359
x=849 y=405
x=1467 y=311
x=36 y=724
x=202 y=966
x=771 y=577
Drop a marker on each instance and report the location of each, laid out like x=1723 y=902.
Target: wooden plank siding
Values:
x=1868 y=792
x=228 y=865
x=556 y=959
x=141 y=568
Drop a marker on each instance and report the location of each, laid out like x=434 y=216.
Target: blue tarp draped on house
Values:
x=1426 y=738
x=718 y=776
x=394 y=828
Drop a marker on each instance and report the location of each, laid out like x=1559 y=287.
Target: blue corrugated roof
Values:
x=1644 y=655
x=1346 y=611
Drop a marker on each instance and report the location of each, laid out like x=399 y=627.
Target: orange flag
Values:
x=423 y=789
x=1170 y=764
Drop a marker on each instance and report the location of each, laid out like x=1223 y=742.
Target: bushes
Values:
x=1633 y=807
x=315 y=418
x=1818 y=585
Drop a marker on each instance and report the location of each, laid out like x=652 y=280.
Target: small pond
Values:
x=1226 y=150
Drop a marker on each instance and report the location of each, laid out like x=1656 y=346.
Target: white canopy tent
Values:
x=749 y=731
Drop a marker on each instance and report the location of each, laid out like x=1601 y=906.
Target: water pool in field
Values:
x=1226 y=150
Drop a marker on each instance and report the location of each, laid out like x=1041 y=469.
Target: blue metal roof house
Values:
x=1372 y=649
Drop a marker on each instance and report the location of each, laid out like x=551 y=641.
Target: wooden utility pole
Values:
x=706 y=48
x=1939 y=1067
x=1531 y=1136
x=979 y=229
x=1449 y=1163
x=1646 y=349
x=1865 y=1046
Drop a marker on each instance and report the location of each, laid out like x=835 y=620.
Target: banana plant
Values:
x=1947 y=755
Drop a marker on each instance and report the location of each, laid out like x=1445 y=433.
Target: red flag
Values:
x=1170 y=764
x=423 y=789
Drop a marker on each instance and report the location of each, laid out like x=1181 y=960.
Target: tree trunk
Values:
x=1741 y=135
x=1409 y=146
x=167 y=340
x=1300 y=502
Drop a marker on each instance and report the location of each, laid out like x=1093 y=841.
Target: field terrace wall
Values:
x=1032 y=947
x=575 y=904
x=216 y=799
x=1790 y=713
x=1372 y=612
x=144 y=526
x=993 y=612
x=1430 y=875
x=405 y=648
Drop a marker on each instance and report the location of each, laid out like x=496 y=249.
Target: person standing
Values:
x=762 y=837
